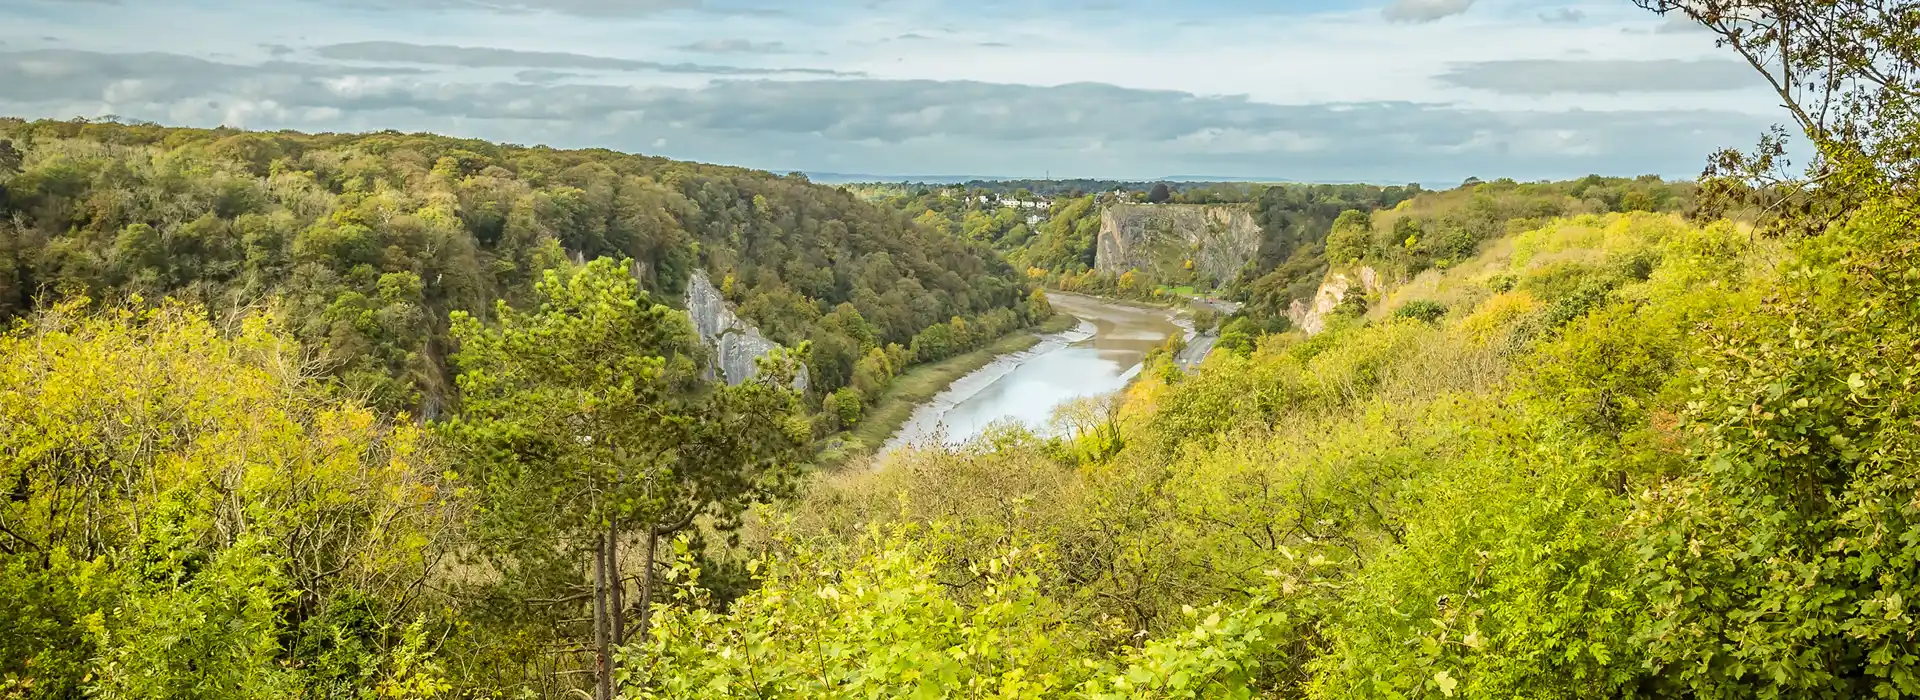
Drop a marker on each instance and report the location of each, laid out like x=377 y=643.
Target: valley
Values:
x=323 y=414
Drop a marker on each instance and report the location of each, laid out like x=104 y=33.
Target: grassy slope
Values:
x=920 y=384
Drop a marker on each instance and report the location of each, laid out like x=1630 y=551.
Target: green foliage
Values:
x=1528 y=495
x=845 y=405
x=585 y=426
x=186 y=500
x=1603 y=452
x=44 y=650
x=1421 y=310
x=1350 y=238
x=1221 y=656
x=1443 y=229
x=1353 y=305
x=869 y=617
x=1805 y=457
x=190 y=623
x=873 y=620
x=320 y=222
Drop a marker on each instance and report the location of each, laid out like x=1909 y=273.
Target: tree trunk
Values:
x=618 y=599
x=603 y=666
x=646 y=585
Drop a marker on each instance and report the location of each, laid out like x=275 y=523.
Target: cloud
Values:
x=63 y=74
x=277 y=50
x=1422 y=11
x=482 y=57
x=1564 y=15
x=1545 y=77
x=887 y=125
x=585 y=8
x=543 y=76
x=1678 y=23
x=735 y=46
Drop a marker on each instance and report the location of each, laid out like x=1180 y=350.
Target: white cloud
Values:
x=587 y=8
x=1541 y=77
x=487 y=57
x=1417 y=11
x=997 y=86
x=1563 y=14
x=735 y=46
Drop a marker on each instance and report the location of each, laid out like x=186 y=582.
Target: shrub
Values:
x=1422 y=310
x=845 y=405
x=1354 y=305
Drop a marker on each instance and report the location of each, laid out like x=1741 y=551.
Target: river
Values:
x=1099 y=356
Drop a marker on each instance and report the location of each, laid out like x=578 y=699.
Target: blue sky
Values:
x=1317 y=90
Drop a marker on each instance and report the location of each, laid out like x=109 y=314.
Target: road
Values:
x=1202 y=344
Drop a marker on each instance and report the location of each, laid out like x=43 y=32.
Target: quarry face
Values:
x=1162 y=238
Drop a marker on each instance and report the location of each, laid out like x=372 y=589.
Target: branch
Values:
x=30 y=543
x=665 y=529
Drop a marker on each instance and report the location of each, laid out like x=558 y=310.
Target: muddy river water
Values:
x=1101 y=355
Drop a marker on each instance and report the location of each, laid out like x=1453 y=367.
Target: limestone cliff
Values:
x=735 y=343
x=1161 y=238
x=1311 y=316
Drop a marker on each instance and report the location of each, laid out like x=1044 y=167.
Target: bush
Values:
x=1422 y=310
x=1354 y=305
x=845 y=405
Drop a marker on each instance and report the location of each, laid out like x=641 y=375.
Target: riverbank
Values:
x=920 y=385
x=1198 y=343
x=1100 y=355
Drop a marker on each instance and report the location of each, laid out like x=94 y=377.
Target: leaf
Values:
x=1446 y=683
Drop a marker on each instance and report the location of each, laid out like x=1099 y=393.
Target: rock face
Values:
x=1311 y=317
x=1161 y=238
x=736 y=344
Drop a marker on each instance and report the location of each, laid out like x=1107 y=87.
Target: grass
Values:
x=919 y=385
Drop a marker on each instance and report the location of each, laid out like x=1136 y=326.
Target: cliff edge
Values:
x=1162 y=238
x=1311 y=316
x=736 y=344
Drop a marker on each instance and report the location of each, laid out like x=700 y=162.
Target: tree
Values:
x=10 y=158
x=1847 y=71
x=188 y=503
x=1159 y=194
x=1351 y=237
x=589 y=427
x=845 y=405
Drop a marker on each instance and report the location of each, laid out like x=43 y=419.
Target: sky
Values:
x=1387 y=91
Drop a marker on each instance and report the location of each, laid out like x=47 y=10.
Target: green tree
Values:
x=1351 y=238
x=589 y=428
x=845 y=405
x=1159 y=194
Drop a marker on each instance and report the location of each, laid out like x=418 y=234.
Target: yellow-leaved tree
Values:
x=189 y=512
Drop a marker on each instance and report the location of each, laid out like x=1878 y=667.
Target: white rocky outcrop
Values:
x=1311 y=316
x=736 y=344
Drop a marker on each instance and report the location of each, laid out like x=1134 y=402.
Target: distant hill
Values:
x=851 y=178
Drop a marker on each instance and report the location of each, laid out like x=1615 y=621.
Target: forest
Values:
x=365 y=244
x=400 y=416
x=1305 y=229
